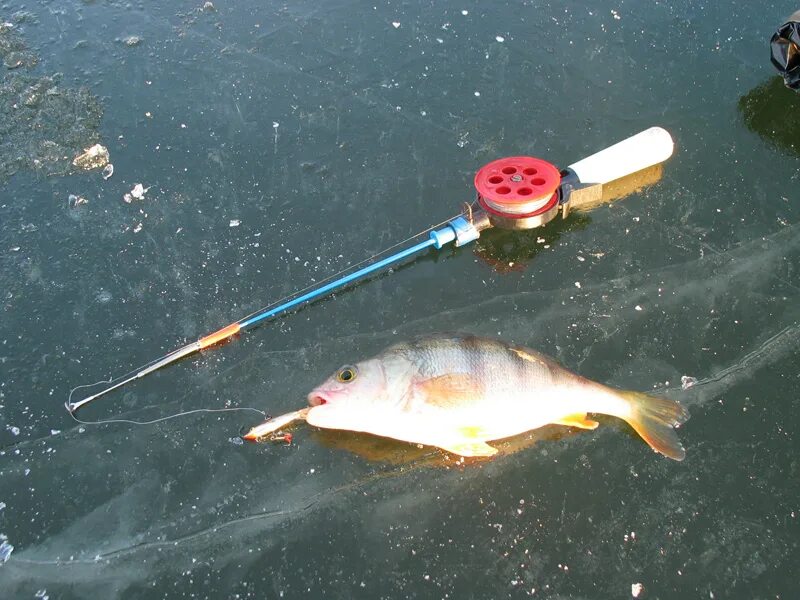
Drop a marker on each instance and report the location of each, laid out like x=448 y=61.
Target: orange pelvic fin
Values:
x=472 y=431
x=470 y=449
x=218 y=336
x=578 y=420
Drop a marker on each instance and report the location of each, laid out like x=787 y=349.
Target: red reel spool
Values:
x=518 y=187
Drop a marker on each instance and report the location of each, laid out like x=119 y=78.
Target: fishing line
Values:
x=160 y=419
x=168 y=417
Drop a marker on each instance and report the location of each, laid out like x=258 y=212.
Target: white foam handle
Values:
x=638 y=152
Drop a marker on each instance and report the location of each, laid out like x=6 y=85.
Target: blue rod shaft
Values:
x=438 y=239
x=338 y=283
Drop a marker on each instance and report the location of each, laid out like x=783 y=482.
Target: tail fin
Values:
x=654 y=419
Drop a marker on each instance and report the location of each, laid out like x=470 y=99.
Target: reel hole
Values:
x=509 y=170
x=503 y=189
x=537 y=181
x=530 y=171
x=495 y=179
x=524 y=191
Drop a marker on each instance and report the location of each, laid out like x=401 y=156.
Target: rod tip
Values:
x=70 y=406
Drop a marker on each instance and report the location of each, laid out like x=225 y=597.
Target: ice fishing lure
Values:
x=518 y=192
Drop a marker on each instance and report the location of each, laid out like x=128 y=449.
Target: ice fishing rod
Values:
x=517 y=192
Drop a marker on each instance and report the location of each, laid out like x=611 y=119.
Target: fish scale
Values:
x=463 y=354
x=502 y=368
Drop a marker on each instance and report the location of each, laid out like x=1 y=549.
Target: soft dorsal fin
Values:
x=453 y=390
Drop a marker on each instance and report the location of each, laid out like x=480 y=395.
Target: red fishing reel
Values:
x=518 y=192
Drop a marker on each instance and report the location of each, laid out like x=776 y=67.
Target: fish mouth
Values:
x=317 y=398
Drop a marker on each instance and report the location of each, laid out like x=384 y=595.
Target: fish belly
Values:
x=497 y=415
x=515 y=413
x=461 y=431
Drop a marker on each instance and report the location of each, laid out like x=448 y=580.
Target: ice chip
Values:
x=75 y=201
x=687 y=382
x=5 y=549
x=92 y=158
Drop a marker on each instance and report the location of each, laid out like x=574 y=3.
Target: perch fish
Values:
x=460 y=392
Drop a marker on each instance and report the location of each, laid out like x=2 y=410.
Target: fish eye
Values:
x=347 y=374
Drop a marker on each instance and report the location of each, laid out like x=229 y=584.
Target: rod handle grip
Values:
x=645 y=149
x=218 y=336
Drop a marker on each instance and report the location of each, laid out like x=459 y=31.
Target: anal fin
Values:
x=578 y=420
x=470 y=449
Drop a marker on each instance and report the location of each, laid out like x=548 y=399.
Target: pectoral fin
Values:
x=470 y=449
x=578 y=420
x=451 y=391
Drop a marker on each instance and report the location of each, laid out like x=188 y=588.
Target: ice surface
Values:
x=120 y=510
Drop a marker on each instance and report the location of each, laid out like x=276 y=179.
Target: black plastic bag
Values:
x=785 y=47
